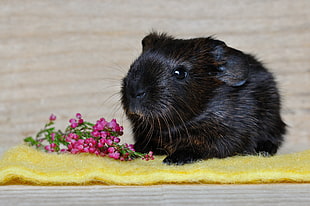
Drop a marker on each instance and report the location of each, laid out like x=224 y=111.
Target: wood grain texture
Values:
x=69 y=56
x=219 y=195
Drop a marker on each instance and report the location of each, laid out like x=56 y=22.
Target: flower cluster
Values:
x=81 y=136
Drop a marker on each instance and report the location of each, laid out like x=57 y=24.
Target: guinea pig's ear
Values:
x=153 y=39
x=232 y=65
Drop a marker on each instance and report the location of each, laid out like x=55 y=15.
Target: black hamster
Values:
x=195 y=99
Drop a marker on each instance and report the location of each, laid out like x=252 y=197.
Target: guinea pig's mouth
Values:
x=137 y=113
x=135 y=110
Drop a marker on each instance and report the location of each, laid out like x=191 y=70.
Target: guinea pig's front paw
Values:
x=182 y=157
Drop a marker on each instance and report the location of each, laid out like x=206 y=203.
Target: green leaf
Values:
x=89 y=124
x=31 y=141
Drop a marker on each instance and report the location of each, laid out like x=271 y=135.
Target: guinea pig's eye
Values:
x=180 y=73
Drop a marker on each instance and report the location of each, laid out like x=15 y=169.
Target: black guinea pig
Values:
x=195 y=99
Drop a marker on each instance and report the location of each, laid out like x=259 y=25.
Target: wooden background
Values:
x=64 y=57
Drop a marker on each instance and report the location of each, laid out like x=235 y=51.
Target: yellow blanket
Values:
x=25 y=165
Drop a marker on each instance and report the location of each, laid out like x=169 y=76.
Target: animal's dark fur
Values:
x=198 y=98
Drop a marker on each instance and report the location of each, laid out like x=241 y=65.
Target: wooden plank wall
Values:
x=64 y=57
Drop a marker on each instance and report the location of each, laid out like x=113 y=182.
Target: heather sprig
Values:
x=102 y=138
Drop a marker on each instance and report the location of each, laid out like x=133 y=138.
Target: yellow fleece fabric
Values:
x=25 y=165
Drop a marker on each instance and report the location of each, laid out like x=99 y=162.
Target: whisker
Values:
x=163 y=116
x=160 y=142
x=150 y=132
x=182 y=121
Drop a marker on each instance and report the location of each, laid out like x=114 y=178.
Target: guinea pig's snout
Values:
x=137 y=90
x=139 y=93
x=136 y=94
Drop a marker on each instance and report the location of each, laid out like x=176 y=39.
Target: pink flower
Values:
x=117 y=140
x=79 y=147
x=71 y=137
x=53 y=136
x=78 y=115
x=115 y=126
x=98 y=127
x=101 y=143
x=111 y=149
x=53 y=145
x=90 y=141
x=52 y=117
x=74 y=151
x=130 y=146
x=92 y=150
x=103 y=121
x=73 y=123
x=148 y=156
x=109 y=142
x=80 y=141
x=95 y=134
x=104 y=134
x=49 y=148
x=115 y=155
x=80 y=121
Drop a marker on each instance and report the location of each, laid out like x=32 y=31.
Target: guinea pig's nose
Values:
x=140 y=93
